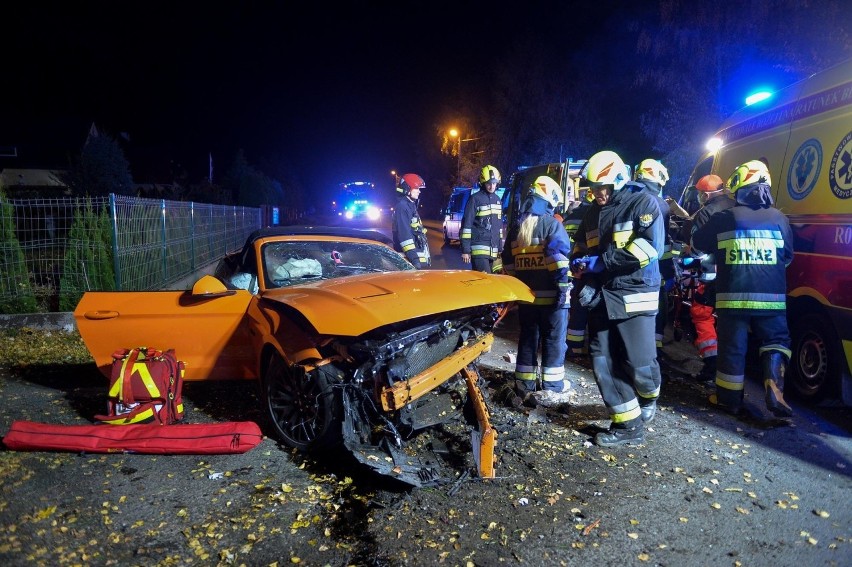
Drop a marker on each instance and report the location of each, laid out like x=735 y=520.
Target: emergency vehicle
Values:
x=804 y=134
x=454 y=211
x=566 y=173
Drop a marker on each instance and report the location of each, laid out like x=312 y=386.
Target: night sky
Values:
x=334 y=93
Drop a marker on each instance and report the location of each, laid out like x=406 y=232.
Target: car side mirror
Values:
x=209 y=286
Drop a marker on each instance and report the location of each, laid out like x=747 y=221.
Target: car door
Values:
x=209 y=333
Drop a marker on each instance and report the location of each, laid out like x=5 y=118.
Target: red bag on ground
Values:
x=178 y=439
x=144 y=387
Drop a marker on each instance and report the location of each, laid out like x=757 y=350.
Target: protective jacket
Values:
x=753 y=245
x=409 y=234
x=572 y=220
x=543 y=265
x=482 y=225
x=628 y=235
x=666 y=260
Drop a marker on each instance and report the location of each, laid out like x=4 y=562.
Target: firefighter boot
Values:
x=620 y=436
x=774 y=365
x=708 y=371
x=649 y=409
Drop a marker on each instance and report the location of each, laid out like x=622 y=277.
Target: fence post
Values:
x=165 y=245
x=192 y=234
x=116 y=264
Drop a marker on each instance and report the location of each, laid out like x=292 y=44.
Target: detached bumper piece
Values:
x=423 y=462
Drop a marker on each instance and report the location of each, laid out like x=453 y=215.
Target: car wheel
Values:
x=816 y=358
x=303 y=409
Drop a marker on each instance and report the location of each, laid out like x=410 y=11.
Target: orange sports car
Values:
x=350 y=345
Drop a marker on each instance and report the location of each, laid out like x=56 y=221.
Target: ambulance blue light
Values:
x=757 y=97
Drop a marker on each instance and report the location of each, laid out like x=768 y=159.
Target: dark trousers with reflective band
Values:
x=482 y=263
x=577 y=319
x=732 y=328
x=624 y=360
x=542 y=325
x=662 y=316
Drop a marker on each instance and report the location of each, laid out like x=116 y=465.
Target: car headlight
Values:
x=349 y=214
x=374 y=213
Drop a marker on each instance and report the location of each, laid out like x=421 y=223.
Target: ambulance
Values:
x=804 y=134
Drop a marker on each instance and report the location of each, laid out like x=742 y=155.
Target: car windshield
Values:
x=296 y=262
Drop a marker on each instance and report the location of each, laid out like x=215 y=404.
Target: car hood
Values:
x=354 y=305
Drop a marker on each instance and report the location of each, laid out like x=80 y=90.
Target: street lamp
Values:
x=456 y=134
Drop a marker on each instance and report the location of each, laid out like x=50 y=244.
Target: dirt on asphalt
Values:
x=704 y=489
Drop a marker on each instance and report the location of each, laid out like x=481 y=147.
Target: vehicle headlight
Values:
x=349 y=214
x=374 y=213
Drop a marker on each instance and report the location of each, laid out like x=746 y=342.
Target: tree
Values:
x=16 y=294
x=100 y=169
x=88 y=262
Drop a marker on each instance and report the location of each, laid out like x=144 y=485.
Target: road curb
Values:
x=63 y=321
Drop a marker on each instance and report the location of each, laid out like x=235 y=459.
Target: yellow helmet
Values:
x=488 y=174
x=606 y=168
x=652 y=170
x=754 y=171
x=548 y=189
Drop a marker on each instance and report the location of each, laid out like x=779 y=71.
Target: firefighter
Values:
x=616 y=251
x=481 y=232
x=536 y=252
x=753 y=245
x=713 y=197
x=577 y=314
x=653 y=175
x=409 y=234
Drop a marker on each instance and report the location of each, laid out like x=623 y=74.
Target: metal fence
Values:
x=51 y=247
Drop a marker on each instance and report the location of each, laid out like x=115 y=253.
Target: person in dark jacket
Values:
x=577 y=314
x=616 y=251
x=409 y=234
x=753 y=245
x=654 y=175
x=481 y=233
x=536 y=252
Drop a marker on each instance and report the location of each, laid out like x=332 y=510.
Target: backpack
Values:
x=144 y=387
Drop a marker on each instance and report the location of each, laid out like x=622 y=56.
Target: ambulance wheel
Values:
x=303 y=409
x=815 y=360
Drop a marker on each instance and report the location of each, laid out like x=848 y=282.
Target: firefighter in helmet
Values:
x=616 y=254
x=481 y=232
x=409 y=234
x=536 y=252
x=753 y=245
x=654 y=175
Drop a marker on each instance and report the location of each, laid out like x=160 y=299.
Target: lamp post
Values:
x=456 y=134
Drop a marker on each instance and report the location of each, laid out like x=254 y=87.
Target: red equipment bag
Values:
x=179 y=439
x=144 y=387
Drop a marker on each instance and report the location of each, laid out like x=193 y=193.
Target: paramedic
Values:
x=753 y=245
x=616 y=252
x=481 y=232
x=713 y=197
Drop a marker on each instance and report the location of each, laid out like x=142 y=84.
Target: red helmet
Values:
x=408 y=182
x=710 y=183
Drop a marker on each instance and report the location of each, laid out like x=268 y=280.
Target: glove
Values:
x=579 y=264
x=594 y=264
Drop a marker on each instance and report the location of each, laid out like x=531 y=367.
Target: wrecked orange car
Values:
x=349 y=344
